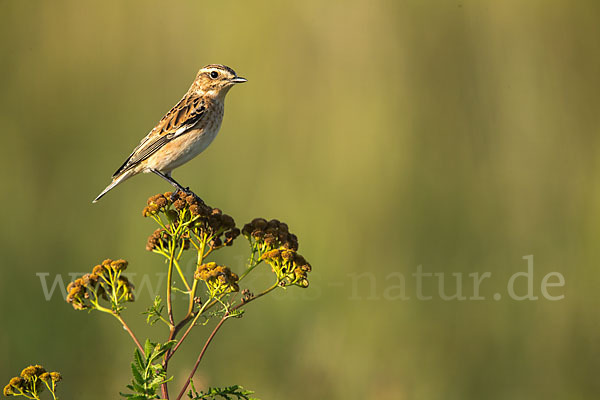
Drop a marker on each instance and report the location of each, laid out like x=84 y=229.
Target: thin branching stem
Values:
x=178 y=267
x=214 y=332
x=170 y=282
x=249 y=269
x=126 y=327
x=188 y=330
x=210 y=338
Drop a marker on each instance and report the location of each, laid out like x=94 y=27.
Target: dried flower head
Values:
x=219 y=279
x=104 y=282
x=33 y=371
x=126 y=288
x=33 y=380
x=55 y=376
x=119 y=265
x=198 y=220
x=266 y=235
x=179 y=204
x=289 y=266
x=157 y=203
x=16 y=382
x=159 y=240
x=8 y=390
x=212 y=223
x=246 y=295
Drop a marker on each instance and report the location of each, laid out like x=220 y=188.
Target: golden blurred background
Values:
x=458 y=135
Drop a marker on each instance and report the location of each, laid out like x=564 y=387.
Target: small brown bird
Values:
x=184 y=132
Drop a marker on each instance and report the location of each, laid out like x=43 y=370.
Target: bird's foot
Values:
x=188 y=192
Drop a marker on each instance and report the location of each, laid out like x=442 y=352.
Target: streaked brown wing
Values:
x=175 y=123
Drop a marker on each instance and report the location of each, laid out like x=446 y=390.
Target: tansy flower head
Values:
x=266 y=235
x=33 y=371
x=198 y=219
x=33 y=380
x=289 y=266
x=77 y=295
x=126 y=287
x=16 y=382
x=119 y=265
x=216 y=225
x=55 y=376
x=157 y=203
x=219 y=279
x=98 y=270
x=105 y=282
x=160 y=240
x=89 y=280
x=8 y=390
x=179 y=204
x=15 y=385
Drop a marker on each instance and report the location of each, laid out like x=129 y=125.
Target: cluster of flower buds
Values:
x=267 y=235
x=157 y=203
x=219 y=279
x=202 y=220
x=289 y=266
x=160 y=240
x=247 y=295
x=106 y=282
x=32 y=381
x=218 y=227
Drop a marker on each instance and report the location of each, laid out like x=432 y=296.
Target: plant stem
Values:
x=249 y=269
x=170 y=282
x=137 y=342
x=192 y=295
x=51 y=389
x=185 y=283
x=174 y=329
x=210 y=338
x=212 y=335
x=275 y=285
x=198 y=314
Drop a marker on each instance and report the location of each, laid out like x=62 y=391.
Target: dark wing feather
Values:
x=175 y=123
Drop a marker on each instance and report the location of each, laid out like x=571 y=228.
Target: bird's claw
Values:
x=187 y=191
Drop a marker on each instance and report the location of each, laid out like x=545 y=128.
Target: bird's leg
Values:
x=176 y=184
x=168 y=178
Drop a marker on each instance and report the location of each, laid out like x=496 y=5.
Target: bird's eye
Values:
x=214 y=74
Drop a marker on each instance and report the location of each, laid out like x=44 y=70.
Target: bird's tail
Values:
x=116 y=180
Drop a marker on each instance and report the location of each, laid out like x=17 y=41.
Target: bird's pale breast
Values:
x=187 y=146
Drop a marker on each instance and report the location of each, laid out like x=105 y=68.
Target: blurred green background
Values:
x=456 y=135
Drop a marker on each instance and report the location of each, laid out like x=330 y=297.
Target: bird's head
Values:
x=215 y=80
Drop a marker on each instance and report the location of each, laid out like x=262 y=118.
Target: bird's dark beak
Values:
x=238 y=79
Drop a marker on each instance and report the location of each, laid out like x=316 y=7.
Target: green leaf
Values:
x=154 y=312
x=226 y=393
x=136 y=374
x=148 y=349
x=139 y=360
x=169 y=345
x=160 y=349
x=134 y=396
x=138 y=388
x=148 y=374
